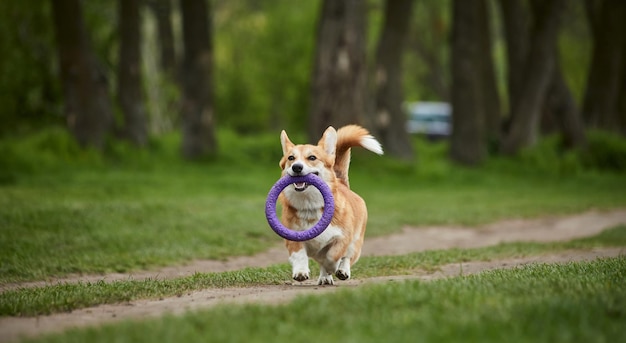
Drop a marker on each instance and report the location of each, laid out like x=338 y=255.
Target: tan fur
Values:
x=339 y=246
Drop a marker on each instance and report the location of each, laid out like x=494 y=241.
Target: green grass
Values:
x=71 y=296
x=576 y=302
x=64 y=210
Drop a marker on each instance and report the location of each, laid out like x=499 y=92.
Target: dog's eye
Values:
x=291 y=158
x=312 y=158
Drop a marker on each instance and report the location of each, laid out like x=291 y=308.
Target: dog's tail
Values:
x=347 y=137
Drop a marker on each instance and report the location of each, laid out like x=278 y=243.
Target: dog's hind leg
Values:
x=299 y=261
x=352 y=254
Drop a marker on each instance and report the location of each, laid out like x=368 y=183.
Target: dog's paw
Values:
x=300 y=276
x=343 y=271
x=326 y=280
x=343 y=274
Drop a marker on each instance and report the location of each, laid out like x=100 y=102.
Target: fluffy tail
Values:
x=347 y=137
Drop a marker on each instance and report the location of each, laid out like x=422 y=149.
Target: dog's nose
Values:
x=297 y=168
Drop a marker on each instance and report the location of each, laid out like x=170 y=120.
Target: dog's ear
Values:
x=285 y=142
x=328 y=142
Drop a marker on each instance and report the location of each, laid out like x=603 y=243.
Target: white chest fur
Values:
x=317 y=244
x=309 y=208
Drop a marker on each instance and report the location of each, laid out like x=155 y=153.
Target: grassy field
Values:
x=71 y=296
x=64 y=211
x=576 y=302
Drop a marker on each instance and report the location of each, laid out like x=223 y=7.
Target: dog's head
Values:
x=304 y=159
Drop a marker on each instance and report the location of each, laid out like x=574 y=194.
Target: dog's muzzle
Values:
x=301 y=186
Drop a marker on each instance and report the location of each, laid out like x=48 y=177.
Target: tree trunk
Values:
x=130 y=95
x=163 y=11
x=87 y=103
x=431 y=48
x=338 y=83
x=390 y=119
x=526 y=110
x=515 y=20
x=562 y=107
x=467 y=143
x=621 y=105
x=601 y=95
x=492 y=111
x=198 y=118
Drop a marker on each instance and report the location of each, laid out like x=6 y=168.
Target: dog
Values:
x=338 y=247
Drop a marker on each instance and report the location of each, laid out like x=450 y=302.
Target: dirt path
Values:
x=409 y=240
x=547 y=229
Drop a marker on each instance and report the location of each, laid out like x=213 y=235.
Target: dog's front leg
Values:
x=299 y=261
x=325 y=278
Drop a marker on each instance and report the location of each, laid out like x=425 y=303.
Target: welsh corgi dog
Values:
x=338 y=247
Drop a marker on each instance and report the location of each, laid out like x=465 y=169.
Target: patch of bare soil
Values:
x=409 y=240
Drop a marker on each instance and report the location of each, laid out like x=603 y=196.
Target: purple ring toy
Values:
x=317 y=229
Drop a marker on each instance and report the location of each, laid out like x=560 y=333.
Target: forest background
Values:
x=513 y=70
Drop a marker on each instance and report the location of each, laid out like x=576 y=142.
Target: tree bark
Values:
x=515 y=20
x=162 y=10
x=526 y=110
x=338 y=83
x=467 y=143
x=621 y=105
x=130 y=95
x=390 y=118
x=562 y=107
x=87 y=103
x=600 y=104
x=490 y=97
x=198 y=118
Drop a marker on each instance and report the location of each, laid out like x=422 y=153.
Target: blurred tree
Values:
x=263 y=84
x=428 y=40
x=338 y=83
x=527 y=103
x=162 y=10
x=608 y=27
x=129 y=92
x=29 y=92
x=561 y=110
x=621 y=106
x=87 y=103
x=389 y=123
x=516 y=24
x=490 y=102
x=198 y=119
x=467 y=145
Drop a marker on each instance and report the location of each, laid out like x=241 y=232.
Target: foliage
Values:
x=263 y=63
x=428 y=52
x=263 y=52
x=44 y=150
x=29 y=92
x=575 y=44
x=548 y=156
x=606 y=151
